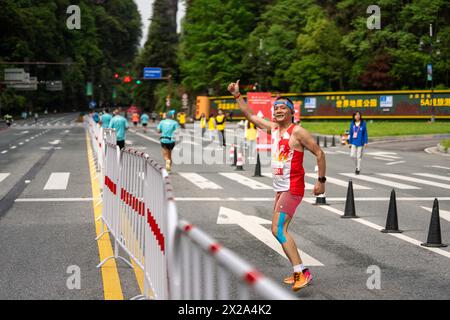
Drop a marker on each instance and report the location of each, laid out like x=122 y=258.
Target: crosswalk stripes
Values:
x=410 y=179
x=444 y=214
x=435 y=176
x=3 y=176
x=199 y=180
x=380 y=181
x=253 y=184
x=204 y=183
x=57 y=181
x=339 y=182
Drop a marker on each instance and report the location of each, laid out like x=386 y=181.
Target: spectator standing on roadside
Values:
x=357 y=139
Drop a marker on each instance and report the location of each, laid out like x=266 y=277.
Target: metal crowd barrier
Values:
x=178 y=260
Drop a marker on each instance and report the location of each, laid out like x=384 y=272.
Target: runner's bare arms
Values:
x=262 y=123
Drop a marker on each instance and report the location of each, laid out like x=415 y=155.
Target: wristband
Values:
x=237 y=96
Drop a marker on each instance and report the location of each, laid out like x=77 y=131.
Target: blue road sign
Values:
x=92 y=104
x=152 y=73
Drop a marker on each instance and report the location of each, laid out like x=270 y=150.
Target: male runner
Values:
x=120 y=124
x=288 y=144
x=135 y=119
x=167 y=129
x=144 y=121
x=105 y=119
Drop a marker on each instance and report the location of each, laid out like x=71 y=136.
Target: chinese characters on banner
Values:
x=261 y=105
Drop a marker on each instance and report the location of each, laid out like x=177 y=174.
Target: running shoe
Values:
x=168 y=166
x=290 y=279
x=300 y=281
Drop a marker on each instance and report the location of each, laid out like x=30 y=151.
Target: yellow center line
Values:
x=110 y=276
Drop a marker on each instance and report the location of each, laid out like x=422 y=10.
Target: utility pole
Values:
x=430 y=65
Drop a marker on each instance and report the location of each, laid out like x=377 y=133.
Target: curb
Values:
x=435 y=150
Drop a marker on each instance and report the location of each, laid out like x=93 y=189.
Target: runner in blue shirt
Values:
x=167 y=129
x=144 y=121
x=95 y=117
x=105 y=118
x=120 y=124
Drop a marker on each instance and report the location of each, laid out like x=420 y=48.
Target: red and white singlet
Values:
x=287 y=164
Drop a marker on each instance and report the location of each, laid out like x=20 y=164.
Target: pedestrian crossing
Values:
x=230 y=180
x=211 y=181
x=54 y=181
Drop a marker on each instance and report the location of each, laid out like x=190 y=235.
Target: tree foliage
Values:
x=36 y=31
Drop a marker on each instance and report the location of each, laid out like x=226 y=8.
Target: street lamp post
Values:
x=430 y=66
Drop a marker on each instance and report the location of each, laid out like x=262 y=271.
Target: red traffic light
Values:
x=127 y=79
x=116 y=75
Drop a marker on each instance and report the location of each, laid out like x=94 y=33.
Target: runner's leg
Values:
x=280 y=223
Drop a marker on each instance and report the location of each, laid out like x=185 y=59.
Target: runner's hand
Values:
x=319 y=188
x=234 y=88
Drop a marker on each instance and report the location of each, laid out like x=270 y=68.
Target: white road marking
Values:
x=253 y=225
x=145 y=137
x=13 y=147
x=57 y=181
x=441 y=167
x=384 y=159
x=339 y=182
x=435 y=176
x=422 y=181
x=395 y=162
x=199 y=180
x=53 y=199
x=4 y=151
x=55 y=142
x=384 y=154
x=253 y=184
x=397 y=235
x=343 y=152
x=27 y=140
x=442 y=213
x=336 y=199
x=380 y=181
x=3 y=176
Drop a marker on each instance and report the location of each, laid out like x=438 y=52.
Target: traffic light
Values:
x=138 y=81
x=116 y=75
x=126 y=79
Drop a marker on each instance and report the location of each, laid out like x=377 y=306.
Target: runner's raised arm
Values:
x=260 y=122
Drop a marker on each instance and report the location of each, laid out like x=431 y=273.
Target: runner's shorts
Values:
x=168 y=146
x=286 y=202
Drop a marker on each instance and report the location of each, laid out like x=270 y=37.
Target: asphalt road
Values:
x=41 y=239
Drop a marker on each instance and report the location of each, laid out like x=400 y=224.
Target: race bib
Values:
x=277 y=168
x=355 y=134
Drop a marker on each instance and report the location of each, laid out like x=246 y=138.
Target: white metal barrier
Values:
x=179 y=261
x=204 y=269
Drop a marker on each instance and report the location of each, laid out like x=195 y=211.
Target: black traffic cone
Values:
x=391 y=221
x=350 y=211
x=257 y=166
x=333 y=142
x=325 y=142
x=321 y=200
x=434 y=232
x=318 y=140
